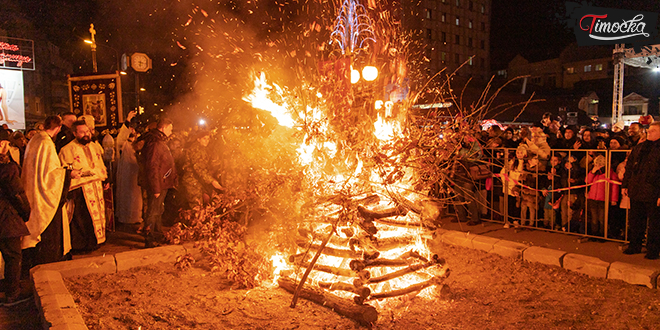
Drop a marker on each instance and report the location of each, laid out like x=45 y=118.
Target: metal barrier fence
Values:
x=576 y=201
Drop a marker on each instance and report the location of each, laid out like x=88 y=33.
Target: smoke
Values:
x=209 y=53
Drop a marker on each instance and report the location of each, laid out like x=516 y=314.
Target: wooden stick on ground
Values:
x=363 y=314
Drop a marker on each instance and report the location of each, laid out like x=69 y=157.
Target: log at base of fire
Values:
x=363 y=314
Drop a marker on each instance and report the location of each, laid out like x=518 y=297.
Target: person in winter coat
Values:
x=537 y=145
x=511 y=174
x=640 y=183
x=14 y=212
x=596 y=197
x=159 y=175
x=197 y=174
x=573 y=175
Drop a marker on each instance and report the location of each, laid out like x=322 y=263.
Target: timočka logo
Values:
x=606 y=26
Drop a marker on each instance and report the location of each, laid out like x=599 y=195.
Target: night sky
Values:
x=530 y=28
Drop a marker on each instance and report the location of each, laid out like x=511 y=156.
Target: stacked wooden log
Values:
x=367 y=268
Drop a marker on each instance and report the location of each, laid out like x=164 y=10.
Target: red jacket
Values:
x=597 y=190
x=159 y=170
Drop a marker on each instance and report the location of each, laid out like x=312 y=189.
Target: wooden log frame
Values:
x=327 y=269
x=393 y=242
x=403 y=260
x=407 y=224
x=410 y=269
x=436 y=280
x=368 y=200
x=328 y=250
x=363 y=314
x=361 y=291
x=391 y=212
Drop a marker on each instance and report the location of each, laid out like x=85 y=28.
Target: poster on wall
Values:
x=98 y=96
x=12 y=101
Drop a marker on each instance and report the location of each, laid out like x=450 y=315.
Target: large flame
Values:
x=315 y=152
x=260 y=99
x=386 y=130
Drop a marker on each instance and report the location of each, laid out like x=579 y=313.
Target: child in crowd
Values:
x=596 y=198
x=510 y=175
x=529 y=195
x=573 y=200
x=552 y=199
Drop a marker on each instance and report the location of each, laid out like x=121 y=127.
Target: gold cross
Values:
x=92 y=31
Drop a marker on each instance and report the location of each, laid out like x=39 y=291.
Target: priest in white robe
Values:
x=88 y=216
x=46 y=183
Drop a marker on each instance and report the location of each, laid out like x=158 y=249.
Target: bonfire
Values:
x=370 y=181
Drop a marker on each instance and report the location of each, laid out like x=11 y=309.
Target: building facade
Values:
x=453 y=34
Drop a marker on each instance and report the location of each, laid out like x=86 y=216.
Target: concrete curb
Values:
x=54 y=301
x=591 y=266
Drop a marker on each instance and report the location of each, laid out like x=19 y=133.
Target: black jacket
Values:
x=63 y=138
x=642 y=178
x=14 y=206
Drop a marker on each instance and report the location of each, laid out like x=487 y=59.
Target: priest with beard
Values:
x=86 y=193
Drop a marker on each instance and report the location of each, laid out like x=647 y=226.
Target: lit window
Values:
x=443 y=18
x=570 y=70
x=458 y=21
x=483 y=9
x=443 y=56
x=599 y=67
x=587 y=68
x=429 y=14
x=470 y=60
x=458 y=3
x=470 y=24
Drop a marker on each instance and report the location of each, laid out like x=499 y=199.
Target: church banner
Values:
x=98 y=96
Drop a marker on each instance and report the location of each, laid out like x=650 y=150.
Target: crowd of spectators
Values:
x=556 y=177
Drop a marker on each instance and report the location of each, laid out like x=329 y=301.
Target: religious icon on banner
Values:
x=98 y=96
x=94 y=105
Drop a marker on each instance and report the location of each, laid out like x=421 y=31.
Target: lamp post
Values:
x=93 y=43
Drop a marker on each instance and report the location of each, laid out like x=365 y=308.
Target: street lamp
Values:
x=369 y=73
x=94 y=44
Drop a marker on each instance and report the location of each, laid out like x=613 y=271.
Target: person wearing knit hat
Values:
x=570 y=137
x=618 y=127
